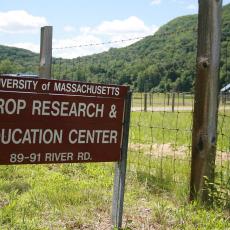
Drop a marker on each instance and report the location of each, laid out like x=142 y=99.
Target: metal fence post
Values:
x=204 y=134
x=120 y=170
x=46 y=52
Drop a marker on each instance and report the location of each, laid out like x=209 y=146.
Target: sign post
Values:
x=120 y=170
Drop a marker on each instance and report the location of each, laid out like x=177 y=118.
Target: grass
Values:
x=46 y=197
x=161 y=99
x=74 y=196
x=79 y=196
x=165 y=100
x=161 y=127
x=175 y=128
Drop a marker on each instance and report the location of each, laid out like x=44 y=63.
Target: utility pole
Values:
x=204 y=135
x=45 y=52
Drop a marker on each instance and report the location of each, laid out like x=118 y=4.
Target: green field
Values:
x=161 y=127
x=161 y=100
x=169 y=101
x=79 y=196
x=174 y=128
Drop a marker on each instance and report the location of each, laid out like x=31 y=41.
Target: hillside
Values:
x=162 y=62
x=16 y=60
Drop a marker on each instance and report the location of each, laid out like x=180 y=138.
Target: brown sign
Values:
x=59 y=128
x=38 y=85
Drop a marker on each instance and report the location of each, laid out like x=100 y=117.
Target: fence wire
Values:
x=159 y=153
x=161 y=123
x=223 y=145
x=160 y=131
x=160 y=136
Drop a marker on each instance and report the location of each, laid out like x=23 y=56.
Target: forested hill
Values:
x=16 y=60
x=162 y=62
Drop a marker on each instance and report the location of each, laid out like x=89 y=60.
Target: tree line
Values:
x=163 y=62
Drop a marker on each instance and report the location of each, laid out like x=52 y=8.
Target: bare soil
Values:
x=168 y=150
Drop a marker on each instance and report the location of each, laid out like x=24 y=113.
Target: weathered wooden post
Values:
x=150 y=99
x=173 y=101
x=168 y=101
x=204 y=134
x=183 y=99
x=45 y=52
x=145 y=101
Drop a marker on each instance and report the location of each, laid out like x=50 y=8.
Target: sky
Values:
x=77 y=23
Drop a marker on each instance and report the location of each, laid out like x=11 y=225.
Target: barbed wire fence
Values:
x=161 y=123
x=223 y=146
x=161 y=136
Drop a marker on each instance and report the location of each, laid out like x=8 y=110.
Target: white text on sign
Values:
x=49 y=157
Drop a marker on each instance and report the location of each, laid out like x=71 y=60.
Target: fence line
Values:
x=156 y=36
x=161 y=123
x=101 y=68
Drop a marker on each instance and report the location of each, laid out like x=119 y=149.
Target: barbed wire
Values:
x=160 y=139
x=98 y=44
x=154 y=36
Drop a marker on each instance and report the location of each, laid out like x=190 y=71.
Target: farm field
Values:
x=79 y=196
x=155 y=102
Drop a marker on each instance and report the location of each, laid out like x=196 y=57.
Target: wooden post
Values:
x=120 y=170
x=145 y=102
x=173 y=101
x=177 y=99
x=46 y=52
x=183 y=99
x=204 y=134
x=168 y=94
x=150 y=99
